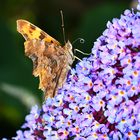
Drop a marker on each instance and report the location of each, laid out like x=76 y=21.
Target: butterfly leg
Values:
x=75 y=57
x=81 y=52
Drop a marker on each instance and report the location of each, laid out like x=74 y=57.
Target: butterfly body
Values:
x=51 y=61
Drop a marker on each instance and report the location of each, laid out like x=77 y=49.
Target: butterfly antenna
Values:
x=81 y=40
x=62 y=25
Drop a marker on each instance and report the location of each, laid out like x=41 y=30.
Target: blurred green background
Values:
x=18 y=88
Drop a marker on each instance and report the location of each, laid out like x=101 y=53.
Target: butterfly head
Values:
x=68 y=45
x=68 y=48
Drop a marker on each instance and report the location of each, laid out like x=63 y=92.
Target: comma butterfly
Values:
x=51 y=61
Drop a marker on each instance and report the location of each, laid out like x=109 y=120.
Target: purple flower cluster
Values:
x=100 y=100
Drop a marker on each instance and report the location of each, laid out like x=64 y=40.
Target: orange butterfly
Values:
x=51 y=61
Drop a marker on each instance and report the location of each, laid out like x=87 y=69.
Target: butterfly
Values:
x=51 y=60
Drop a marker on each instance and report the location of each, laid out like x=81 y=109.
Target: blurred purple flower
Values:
x=100 y=99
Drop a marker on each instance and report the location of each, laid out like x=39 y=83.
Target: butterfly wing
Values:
x=30 y=31
x=50 y=60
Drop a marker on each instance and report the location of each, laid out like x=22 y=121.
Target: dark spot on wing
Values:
x=46 y=44
x=42 y=35
x=25 y=36
x=30 y=31
x=51 y=41
x=32 y=27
